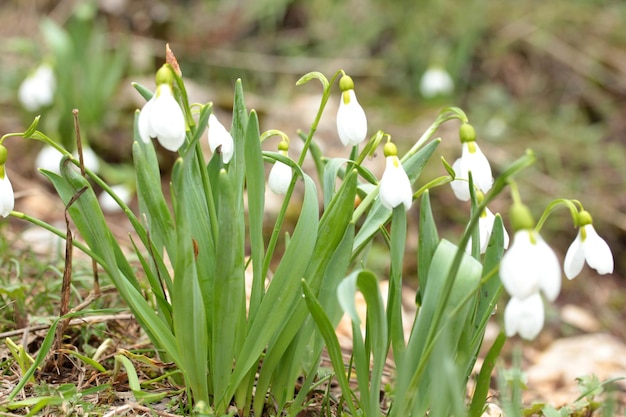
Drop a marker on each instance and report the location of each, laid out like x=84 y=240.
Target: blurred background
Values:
x=550 y=76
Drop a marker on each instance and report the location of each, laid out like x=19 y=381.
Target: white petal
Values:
x=518 y=270
x=7 y=198
x=525 y=317
x=351 y=120
x=548 y=269
x=219 y=136
x=395 y=186
x=476 y=162
x=280 y=178
x=574 y=259
x=143 y=124
x=460 y=186
x=485 y=226
x=597 y=252
x=167 y=120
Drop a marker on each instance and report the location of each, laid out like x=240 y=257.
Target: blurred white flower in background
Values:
x=37 y=90
x=436 y=82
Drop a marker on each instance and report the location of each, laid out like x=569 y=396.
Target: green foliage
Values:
x=197 y=245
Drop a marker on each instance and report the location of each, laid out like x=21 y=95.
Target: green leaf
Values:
x=229 y=301
x=255 y=185
x=189 y=310
x=271 y=314
x=484 y=377
x=394 y=297
x=332 y=343
x=145 y=92
x=428 y=239
x=445 y=303
x=369 y=383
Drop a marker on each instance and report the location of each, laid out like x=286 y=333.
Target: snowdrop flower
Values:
x=351 y=120
x=395 y=186
x=108 y=204
x=485 y=227
x=588 y=246
x=530 y=265
x=37 y=90
x=524 y=316
x=281 y=173
x=472 y=160
x=7 y=198
x=436 y=82
x=219 y=137
x=161 y=117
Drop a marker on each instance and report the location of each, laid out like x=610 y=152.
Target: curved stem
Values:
x=570 y=204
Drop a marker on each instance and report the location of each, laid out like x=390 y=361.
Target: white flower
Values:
x=524 y=316
x=530 y=265
x=588 y=246
x=280 y=177
x=49 y=159
x=472 y=159
x=351 y=120
x=162 y=118
x=436 y=81
x=395 y=187
x=7 y=198
x=219 y=136
x=485 y=227
x=37 y=90
x=108 y=204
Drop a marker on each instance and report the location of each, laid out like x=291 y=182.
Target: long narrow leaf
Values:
x=332 y=343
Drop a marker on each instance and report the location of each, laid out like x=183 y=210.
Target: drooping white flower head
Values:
x=395 y=186
x=485 y=227
x=351 y=119
x=108 y=204
x=524 y=316
x=7 y=198
x=219 y=136
x=588 y=246
x=280 y=176
x=161 y=117
x=436 y=82
x=472 y=160
x=37 y=90
x=530 y=265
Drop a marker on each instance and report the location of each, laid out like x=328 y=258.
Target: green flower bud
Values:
x=3 y=155
x=346 y=83
x=390 y=149
x=164 y=75
x=283 y=145
x=584 y=218
x=467 y=133
x=521 y=218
